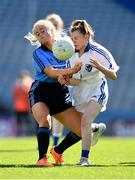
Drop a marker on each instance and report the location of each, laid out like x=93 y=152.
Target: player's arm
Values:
x=68 y=80
x=73 y=82
x=107 y=72
x=53 y=72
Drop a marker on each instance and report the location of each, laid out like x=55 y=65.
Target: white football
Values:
x=63 y=48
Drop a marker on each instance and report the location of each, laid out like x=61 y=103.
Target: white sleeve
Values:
x=115 y=67
x=107 y=60
x=77 y=76
x=111 y=62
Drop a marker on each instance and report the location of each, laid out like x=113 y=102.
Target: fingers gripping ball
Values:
x=63 y=48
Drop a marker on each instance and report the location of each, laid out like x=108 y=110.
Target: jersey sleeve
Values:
x=112 y=63
x=41 y=59
x=77 y=76
x=106 y=58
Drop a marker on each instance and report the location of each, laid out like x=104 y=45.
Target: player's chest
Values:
x=87 y=68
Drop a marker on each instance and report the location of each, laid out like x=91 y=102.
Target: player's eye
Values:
x=37 y=34
x=42 y=31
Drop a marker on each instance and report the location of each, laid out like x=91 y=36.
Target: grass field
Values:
x=113 y=158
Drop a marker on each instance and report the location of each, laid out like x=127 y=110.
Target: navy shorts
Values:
x=54 y=95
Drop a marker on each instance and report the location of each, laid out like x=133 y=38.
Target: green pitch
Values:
x=113 y=158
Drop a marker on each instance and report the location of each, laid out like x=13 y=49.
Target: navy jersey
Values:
x=42 y=58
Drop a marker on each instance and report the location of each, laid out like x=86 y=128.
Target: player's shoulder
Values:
x=39 y=51
x=96 y=46
x=100 y=50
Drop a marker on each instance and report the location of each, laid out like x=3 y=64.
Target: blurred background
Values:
x=114 y=24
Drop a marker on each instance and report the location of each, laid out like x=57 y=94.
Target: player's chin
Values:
x=77 y=48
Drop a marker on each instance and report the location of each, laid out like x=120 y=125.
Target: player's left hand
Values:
x=95 y=63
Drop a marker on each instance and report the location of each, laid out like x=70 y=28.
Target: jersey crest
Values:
x=88 y=67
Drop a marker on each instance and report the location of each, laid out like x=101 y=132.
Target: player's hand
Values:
x=63 y=79
x=95 y=63
x=77 y=66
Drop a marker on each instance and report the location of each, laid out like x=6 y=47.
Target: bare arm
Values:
x=107 y=72
x=68 y=81
x=73 y=82
x=52 y=72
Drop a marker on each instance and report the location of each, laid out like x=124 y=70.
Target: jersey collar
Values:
x=87 y=48
x=45 y=48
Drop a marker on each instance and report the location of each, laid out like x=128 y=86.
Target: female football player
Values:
x=90 y=90
x=57 y=127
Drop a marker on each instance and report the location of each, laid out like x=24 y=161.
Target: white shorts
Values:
x=85 y=92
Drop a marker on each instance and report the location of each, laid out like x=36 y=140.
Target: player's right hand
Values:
x=77 y=66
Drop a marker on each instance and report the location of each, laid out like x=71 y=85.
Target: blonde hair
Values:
x=56 y=20
x=58 y=23
x=83 y=27
x=31 y=36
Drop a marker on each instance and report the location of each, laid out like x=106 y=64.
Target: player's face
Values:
x=44 y=34
x=80 y=40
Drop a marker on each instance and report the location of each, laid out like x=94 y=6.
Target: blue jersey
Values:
x=42 y=58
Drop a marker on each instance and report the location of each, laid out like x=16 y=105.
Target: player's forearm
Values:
x=108 y=72
x=61 y=72
x=55 y=73
x=73 y=82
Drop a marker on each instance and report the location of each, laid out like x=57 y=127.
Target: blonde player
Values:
x=90 y=90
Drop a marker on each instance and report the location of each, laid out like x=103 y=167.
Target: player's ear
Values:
x=87 y=36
